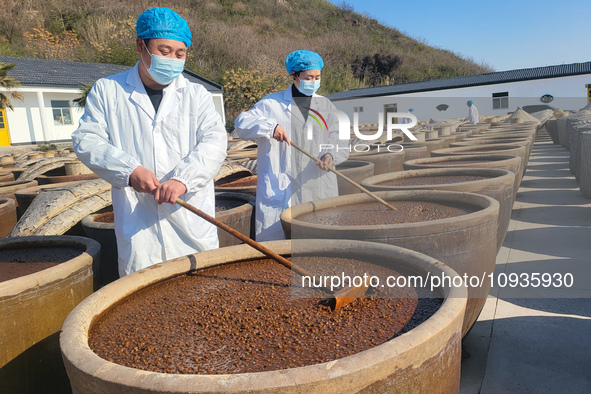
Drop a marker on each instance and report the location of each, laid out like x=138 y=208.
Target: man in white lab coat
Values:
x=472 y=117
x=286 y=177
x=155 y=137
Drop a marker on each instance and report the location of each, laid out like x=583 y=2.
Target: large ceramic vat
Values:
x=32 y=310
x=504 y=162
x=425 y=359
x=467 y=243
x=356 y=170
x=496 y=183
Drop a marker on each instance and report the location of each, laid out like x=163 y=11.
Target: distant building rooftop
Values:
x=525 y=74
x=62 y=73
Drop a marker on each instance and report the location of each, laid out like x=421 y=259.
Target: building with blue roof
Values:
x=566 y=86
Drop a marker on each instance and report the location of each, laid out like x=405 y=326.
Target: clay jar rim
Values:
x=7 y=201
x=234 y=189
x=354 y=164
x=508 y=137
x=489 y=211
x=247 y=199
x=491 y=175
x=76 y=351
x=505 y=129
x=33 y=282
x=88 y=221
x=500 y=140
x=515 y=134
x=517 y=141
x=474 y=149
x=374 y=152
x=430 y=162
x=419 y=145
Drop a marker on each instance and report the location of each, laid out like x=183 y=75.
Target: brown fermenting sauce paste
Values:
x=375 y=213
x=242 y=182
x=15 y=263
x=107 y=217
x=432 y=180
x=245 y=317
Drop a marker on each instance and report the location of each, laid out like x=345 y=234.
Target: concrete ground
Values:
x=535 y=340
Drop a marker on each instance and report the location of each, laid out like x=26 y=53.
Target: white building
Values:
x=565 y=86
x=47 y=113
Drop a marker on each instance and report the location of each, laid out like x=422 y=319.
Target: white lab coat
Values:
x=286 y=177
x=406 y=120
x=186 y=140
x=473 y=117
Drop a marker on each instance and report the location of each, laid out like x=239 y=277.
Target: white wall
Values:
x=58 y=132
x=25 y=122
x=570 y=93
x=218 y=101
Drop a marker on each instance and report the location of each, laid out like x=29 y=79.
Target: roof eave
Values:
x=458 y=86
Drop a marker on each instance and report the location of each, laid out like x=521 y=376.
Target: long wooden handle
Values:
x=351 y=181
x=267 y=252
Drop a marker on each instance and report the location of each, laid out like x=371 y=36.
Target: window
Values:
x=61 y=112
x=500 y=100
x=1 y=119
x=357 y=109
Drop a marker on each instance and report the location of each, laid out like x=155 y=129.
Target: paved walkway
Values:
x=536 y=340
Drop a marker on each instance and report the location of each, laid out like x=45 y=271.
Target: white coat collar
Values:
x=140 y=97
x=288 y=99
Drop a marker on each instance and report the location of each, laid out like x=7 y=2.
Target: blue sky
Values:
x=503 y=34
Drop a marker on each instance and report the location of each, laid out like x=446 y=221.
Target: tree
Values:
x=377 y=69
x=84 y=90
x=8 y=83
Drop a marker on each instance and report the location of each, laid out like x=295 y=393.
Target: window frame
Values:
x=65 y=112
x=500 y=100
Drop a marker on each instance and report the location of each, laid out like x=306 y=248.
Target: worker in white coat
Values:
x=287 y=177
x=472 y=117
x=408 y=120
x=155 y=136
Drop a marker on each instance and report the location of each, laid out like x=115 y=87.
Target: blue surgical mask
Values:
x=164 y=69
x=308 y=88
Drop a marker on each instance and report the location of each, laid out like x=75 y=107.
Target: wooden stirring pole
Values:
x=339 y=299
x=351 y=181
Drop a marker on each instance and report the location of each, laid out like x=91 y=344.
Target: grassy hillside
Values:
x=240 y=44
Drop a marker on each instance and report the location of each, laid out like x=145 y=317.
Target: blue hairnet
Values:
x=470 y=102
x=302 y=61
x=411 y=109
x=163 y=23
